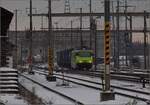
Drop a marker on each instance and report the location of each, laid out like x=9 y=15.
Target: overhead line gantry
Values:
x=139 y=14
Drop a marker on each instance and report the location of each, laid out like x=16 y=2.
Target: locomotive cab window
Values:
x=77 y=54
x=85 y=54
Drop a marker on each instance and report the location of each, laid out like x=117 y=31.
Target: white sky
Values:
x=58 y=6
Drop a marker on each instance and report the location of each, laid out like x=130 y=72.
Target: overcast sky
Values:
x=58 y=6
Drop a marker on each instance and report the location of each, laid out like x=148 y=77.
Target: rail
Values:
x=52 y=90
x=98 y=88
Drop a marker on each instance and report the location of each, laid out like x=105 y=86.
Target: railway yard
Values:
x=76 y=87
x=74 y=52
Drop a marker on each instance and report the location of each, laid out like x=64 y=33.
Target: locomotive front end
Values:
x=84 y=59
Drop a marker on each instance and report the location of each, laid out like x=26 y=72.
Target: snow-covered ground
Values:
x=12 y=100
x=46 y=95
x=127 y=84
x=83 y=94
x=118 y=90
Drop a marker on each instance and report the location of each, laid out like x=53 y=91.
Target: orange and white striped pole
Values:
x=107 y=46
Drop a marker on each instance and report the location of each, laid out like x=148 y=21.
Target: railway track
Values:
x=54 y=91
x=134 y=77
x=29 y=96
x=113 y=76
x=134 y=70
x=135 y=74
x=121 y=70
x=95 y=85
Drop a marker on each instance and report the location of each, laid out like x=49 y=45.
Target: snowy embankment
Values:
x=12 y=100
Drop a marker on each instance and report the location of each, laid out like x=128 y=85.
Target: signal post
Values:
x=30 y=48
x=107 y=94
x=50 y=76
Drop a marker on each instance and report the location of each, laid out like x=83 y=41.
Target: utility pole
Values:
x=126 y=34
x=71 y=35
x=95 y=34
x=16 y=59
x=147 y=53
x=130 y=41
x=117 y=65
x=30 y=53
x=81 y=37
x=90 y=5
x=0 y=39
x=107 y=94
x=16 y=37
x=50 y=76
x=93 y=31
x=21 y=47
x=145 y=43
x=148 y=58
x=114 y=34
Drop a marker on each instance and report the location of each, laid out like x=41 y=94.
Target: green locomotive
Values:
x=75 y=59
x=81 y=59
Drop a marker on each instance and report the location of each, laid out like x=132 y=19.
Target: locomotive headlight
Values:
x=90 y=61
x=80 y=61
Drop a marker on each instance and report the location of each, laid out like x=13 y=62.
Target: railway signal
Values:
x=30 y=54
x=107 y=94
